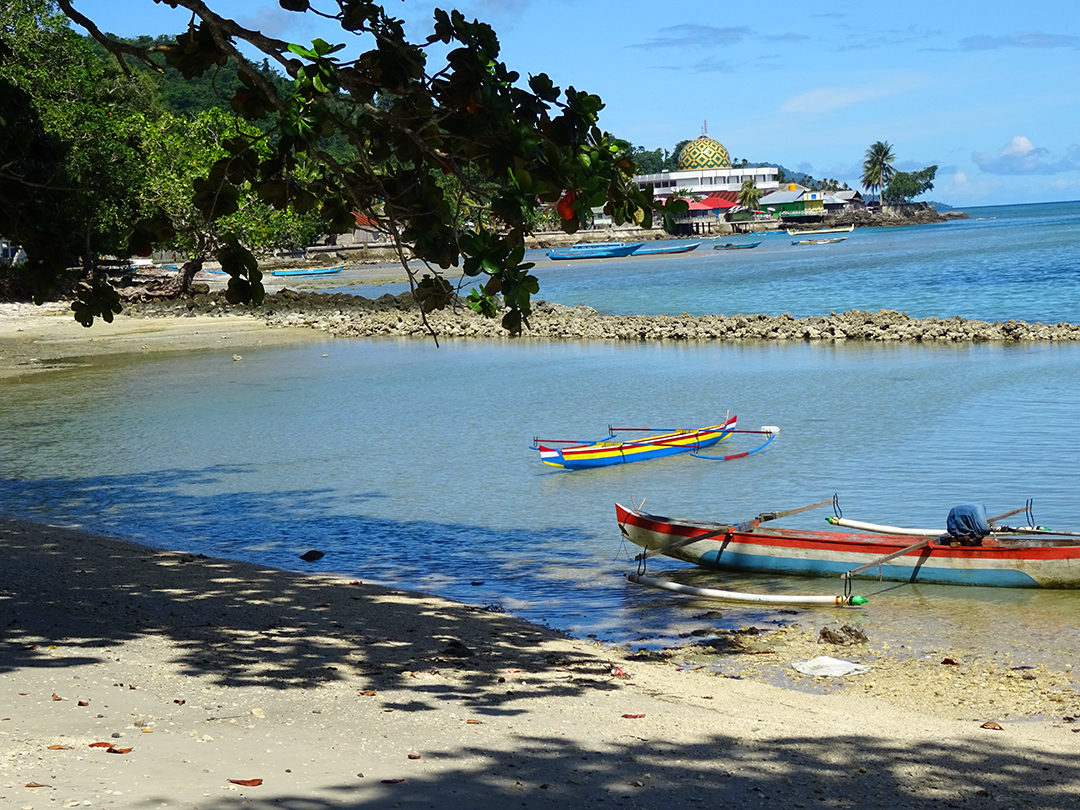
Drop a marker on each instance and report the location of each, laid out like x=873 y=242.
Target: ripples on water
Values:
x=409 y=464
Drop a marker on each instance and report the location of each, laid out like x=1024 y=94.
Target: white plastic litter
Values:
x=824 y=665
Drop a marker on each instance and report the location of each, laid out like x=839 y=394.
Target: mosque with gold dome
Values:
x=704 y=169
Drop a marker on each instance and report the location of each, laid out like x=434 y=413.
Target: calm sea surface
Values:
x=410 y=464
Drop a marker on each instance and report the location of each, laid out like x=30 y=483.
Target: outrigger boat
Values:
x=972 y=550
x=302 y=271
x=611 y=450
x=595 y=250
x=818 y=241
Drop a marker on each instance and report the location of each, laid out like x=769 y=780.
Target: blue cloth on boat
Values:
x=968 y=522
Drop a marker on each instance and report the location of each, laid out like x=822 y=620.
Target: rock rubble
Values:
x=344 y=315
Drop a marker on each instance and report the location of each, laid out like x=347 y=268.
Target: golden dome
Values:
x=704 y=153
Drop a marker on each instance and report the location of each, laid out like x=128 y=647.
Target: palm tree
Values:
x=877 y=168
x=749 y=194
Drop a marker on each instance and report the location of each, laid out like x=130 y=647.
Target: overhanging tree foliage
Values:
x=408 y=124
x=69 y=163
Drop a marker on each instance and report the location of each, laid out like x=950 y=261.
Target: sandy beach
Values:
x=137 y=677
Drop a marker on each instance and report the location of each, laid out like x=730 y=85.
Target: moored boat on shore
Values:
x=1027 y=557
x=654 y=250
x=736 y=246
x=818 y=241
x=303 y=271
x=812 y=231
x=595 y=250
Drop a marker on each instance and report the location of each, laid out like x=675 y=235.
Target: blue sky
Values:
x=987 y=91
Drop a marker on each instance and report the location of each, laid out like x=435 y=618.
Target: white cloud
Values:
x=1021 y=156
x=831 y=99
x=1018 y=146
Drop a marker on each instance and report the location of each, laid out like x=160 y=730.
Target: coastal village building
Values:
x=705 y=170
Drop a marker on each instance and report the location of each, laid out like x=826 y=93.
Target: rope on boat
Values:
x=778 y=599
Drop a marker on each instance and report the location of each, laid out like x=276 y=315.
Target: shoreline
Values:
x=335 y=692
x=211 y=670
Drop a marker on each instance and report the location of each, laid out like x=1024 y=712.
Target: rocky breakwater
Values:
x=344 y=315
x=892 y=216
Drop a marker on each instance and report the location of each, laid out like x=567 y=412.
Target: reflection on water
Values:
x=410 y=465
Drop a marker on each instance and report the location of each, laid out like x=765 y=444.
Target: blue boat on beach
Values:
x=302 y=271
x=664 y=250
x=736 y=246
x=595 y=250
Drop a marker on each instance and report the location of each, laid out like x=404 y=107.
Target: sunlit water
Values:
x=410 y=464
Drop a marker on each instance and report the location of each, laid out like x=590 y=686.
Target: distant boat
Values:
x=839 y=229
x=736 y=246
x=595 y=250
x=665 y=249
x=303 y=271
x=818 y=241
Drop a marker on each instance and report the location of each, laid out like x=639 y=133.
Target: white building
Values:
x=705 y=170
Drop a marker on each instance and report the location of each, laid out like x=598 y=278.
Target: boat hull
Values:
x=596 y=250
x=665 y=249
x=322 y=271
x=818 y=241
x=736 y=246
x=750 y=547
x=844 y=229
x=608 y=453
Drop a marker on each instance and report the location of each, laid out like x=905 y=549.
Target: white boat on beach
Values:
x=838 y=229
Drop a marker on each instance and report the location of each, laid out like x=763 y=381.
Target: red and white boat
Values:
x=1029 y=557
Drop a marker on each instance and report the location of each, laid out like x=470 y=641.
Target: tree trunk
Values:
x=187 y=273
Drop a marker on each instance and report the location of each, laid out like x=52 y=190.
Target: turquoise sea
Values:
x=409 y=464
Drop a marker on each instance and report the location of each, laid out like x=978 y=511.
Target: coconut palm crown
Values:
x=877 y=168
x=749 y=194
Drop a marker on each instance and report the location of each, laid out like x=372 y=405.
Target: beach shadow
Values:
x=68 y=597
x=847 y=770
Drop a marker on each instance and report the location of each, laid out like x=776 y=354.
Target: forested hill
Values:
x=189 y=97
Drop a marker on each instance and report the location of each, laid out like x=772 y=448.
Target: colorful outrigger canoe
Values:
x=611 y=450
x=1013 y=558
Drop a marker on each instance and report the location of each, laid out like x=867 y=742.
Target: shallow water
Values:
x=410 y=464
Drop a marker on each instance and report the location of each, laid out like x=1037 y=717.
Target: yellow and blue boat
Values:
x=612 y=450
